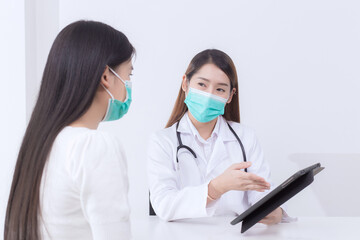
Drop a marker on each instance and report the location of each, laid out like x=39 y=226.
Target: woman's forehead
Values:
x=211 y=73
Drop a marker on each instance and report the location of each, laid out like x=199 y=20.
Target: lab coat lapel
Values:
x=189 y=140
x=218 y=157
x=199 y=153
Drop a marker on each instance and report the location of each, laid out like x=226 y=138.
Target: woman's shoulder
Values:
x=84 y=146
x=167 y=134
x=84 y=137
x=246 y=134
x=241 y=129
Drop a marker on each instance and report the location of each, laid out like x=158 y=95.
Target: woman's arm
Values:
x=234 y=178
x=101 y=179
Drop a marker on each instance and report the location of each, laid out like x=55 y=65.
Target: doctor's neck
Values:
x=204 y=129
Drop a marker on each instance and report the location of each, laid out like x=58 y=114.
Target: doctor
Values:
x=205 y=163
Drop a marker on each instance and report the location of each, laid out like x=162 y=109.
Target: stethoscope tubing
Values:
x=181 y=145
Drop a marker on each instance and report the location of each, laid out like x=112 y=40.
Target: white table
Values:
x=317 y=228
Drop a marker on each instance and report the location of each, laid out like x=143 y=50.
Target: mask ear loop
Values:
x=107 y=90
x=124 y=82
x=116 y=75
x=112 y=99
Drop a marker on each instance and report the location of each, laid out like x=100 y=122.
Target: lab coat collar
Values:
x=219 y=154
x=184 y=125
x=221 y=128
x=196 y=134
x=224 y=131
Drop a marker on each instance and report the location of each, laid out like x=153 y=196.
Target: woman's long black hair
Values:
x=76 y=62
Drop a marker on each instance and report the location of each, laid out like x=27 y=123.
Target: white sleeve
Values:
x=168 y=200
x=101 y=178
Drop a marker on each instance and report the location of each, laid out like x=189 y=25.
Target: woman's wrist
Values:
x=213 y=191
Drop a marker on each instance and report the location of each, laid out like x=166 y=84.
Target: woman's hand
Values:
x=234 y=178
x=273 y=218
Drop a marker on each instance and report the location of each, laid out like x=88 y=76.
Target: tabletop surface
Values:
x=318 y=228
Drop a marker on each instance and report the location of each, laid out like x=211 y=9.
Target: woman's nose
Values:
x=211 y=90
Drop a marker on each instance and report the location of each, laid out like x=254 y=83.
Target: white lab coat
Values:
x=178 y=192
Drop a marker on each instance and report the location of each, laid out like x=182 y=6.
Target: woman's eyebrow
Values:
x=205 y=79
x=221 y=84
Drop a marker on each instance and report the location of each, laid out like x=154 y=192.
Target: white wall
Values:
x=12 y=97
x=28 y=29
x=298 y=65
x=298 y=71
x=42 y=26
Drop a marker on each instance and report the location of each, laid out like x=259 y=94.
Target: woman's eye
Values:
x=220 y=90
x=201 y=84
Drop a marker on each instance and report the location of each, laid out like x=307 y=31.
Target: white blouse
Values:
x=84 y=188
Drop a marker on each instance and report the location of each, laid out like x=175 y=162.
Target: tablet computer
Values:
x=277 y=197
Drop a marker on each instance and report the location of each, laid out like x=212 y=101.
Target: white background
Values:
x=298 y=64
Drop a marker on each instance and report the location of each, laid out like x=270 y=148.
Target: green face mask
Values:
x=204 y=106
x=117 y=109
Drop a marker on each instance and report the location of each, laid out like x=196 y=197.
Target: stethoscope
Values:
x=181 y=145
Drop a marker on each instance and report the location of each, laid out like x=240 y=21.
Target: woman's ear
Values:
x=233 y=91
x=105 y=77
x=184 y=84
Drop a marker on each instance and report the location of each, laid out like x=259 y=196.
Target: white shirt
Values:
x=207 y=145
x=84 y=188
x=180 y=190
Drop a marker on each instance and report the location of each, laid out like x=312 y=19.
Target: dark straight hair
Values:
x=72 y=75
x=225 y=64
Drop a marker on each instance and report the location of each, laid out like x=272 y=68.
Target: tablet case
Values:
x=277 y=197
